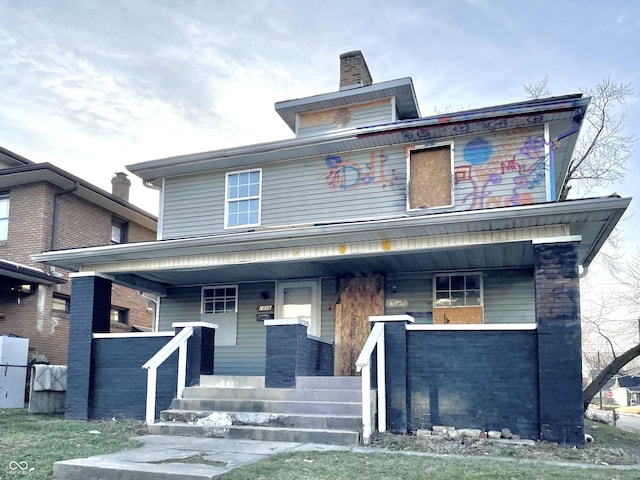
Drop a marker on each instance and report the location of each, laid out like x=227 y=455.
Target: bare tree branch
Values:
x=602 y=149
x=609 y=371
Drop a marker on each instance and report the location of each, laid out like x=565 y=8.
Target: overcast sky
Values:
x=94 y=85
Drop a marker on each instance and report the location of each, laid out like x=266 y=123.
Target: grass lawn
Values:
x=348 y=466
x=30 y=444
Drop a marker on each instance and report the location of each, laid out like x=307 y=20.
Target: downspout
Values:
x=54 y=227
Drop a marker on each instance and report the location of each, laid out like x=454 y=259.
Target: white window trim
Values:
x=6 y=196
x=451 y=174
x=202 y=312
x=315 y=326
x=227 y=201
x=453 y=274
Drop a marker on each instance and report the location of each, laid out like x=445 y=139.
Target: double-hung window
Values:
x=242 y=199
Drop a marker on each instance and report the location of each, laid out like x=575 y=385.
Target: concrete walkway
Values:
x=178 y=458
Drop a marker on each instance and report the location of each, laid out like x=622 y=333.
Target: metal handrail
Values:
x=363 y=364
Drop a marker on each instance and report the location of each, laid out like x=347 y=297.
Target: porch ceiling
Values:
x=480 y=257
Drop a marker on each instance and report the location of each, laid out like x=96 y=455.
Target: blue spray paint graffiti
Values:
x=345 y=174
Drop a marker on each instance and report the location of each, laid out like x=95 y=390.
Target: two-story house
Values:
x=43 y=207
x=450 y=224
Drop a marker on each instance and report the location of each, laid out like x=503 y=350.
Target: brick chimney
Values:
x=120 y=186
x=354 y=71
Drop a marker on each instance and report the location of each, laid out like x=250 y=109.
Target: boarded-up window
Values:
x=430 y=178
x=458 y=298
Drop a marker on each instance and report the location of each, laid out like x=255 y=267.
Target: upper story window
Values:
x=458 y=290
x=220 y=299
x=119 y=230
x=429 y=173
x=4 y=217
x=242 y=199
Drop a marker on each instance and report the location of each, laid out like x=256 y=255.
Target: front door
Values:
x=300 y=300
x=360 y=298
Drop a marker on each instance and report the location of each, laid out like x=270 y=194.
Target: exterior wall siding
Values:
x=509 y=296
x=505 y=168
x=247 y=357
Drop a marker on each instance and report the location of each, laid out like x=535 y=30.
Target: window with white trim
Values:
x=458 y=290
x=242 y=198
x=223 y=299
x=457 y=298
x=4 y=217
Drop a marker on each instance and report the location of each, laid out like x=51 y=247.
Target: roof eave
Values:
x=74 y=259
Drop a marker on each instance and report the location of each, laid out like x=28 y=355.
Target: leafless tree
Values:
x=625 y=298
x=603 y=148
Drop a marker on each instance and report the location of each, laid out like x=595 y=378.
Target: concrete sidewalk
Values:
x=179 y=458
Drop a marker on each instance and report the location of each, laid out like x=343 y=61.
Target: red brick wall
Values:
x=79 y=224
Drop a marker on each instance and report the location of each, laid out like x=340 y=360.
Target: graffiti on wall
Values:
x=346 y=174
x=503 y=171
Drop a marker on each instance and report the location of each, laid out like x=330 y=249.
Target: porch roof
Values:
x=494 y=238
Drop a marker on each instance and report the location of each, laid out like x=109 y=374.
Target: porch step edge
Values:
x=279 y=434
x=268 y=419
x=232 y=381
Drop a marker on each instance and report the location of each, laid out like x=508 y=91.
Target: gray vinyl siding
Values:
x=360 y=117
x=328 y=292
x=247 y=357
x=509 y=296
x=415 y=288
x=362 y=184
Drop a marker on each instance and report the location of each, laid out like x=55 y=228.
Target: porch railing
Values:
x=363 y=364
x=179 y=342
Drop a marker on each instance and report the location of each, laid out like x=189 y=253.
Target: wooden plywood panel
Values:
x=361 y=298
x=430 y=173
x=453 y=315
x=338 y=117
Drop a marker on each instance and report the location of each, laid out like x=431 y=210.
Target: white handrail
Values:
x=363 y=364
x=177 y=342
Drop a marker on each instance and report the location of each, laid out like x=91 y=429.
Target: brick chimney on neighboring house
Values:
x=120 y=186
x=354 y=71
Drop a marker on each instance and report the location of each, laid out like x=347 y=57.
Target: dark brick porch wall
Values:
x=119 y=383
x=90 y=308
x=291 y=353
x=473 y=379
x=559 y=347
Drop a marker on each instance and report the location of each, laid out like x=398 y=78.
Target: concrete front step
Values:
x=327 y=383
x=279 y=434
x=340 y=422
x=268 y=406
x=290 y=394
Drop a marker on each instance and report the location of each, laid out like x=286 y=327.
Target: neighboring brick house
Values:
x=43 y=207
x=448 y=230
